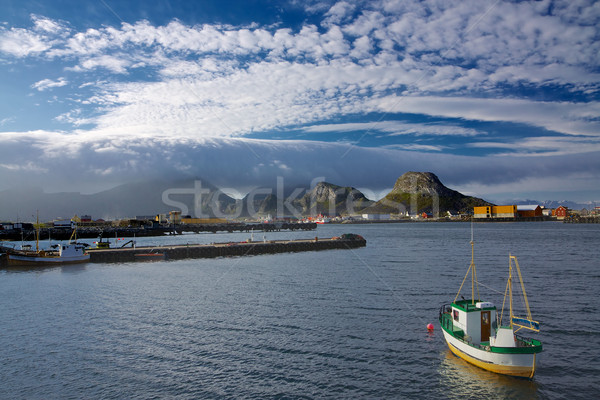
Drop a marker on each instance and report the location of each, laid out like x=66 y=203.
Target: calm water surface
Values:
x=331 y=324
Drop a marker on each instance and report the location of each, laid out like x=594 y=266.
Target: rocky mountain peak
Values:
x=324 y=191
x=416 y=192
x=421 y=183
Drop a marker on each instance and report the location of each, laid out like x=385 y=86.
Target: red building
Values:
x=560 y=212
x=529 y=211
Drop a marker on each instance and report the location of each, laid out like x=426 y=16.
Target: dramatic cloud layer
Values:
x=486 y=94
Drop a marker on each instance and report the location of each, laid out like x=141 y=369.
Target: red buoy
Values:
x=430 y=327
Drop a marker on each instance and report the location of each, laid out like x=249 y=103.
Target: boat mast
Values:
x=472 y=271
x=472 y=266
x=510 y=297
x=37 y=232
x=522 y=288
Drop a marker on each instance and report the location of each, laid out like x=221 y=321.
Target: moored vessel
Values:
x=70 y=253
x=477 y=333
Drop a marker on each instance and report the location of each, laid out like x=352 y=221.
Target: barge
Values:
x=229 y=249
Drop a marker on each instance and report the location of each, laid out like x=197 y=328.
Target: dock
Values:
x=229 y=249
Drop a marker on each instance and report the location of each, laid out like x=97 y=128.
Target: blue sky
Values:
x=500 y=99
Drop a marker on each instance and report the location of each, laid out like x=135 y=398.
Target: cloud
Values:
x=417 y=147
x=339 y=12
x=45 y=84
x=231 y=91
x=180 y=98
x=28 y=167
x=545 y=145
x=575 y=187
x=7 y=120
x=396 y=128
x=573 y=118
x=430 y=48
x=93 y=160
x=21 y=42
x=43 y=24
x=116 y=64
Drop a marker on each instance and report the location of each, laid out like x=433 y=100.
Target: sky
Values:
x=500 y=99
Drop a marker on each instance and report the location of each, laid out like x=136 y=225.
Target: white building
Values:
x=376 y=217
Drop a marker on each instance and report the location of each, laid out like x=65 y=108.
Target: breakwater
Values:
x=229 y=249
x=576 y=219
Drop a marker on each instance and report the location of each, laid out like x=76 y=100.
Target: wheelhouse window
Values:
x=455 y=314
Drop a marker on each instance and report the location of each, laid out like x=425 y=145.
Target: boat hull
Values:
x=23 y=260
x=521 y=365
x=150 y=256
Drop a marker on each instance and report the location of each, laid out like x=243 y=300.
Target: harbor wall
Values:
x=221 y=249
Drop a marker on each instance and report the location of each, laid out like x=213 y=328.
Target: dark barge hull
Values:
x=179 y=252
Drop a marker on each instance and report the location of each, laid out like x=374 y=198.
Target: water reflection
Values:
x=64 y=268
x=73 y=268
x=461 y=380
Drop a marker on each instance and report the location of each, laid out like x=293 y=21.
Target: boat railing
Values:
x=527 y=342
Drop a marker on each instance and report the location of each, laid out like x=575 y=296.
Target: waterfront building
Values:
x=495 y=212
x=560 y=212
x=376 y=217
x=529 y=211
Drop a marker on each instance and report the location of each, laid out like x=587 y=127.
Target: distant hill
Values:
x=128 y=200
x=325 y=198
x=414 y=192
x=192 y=197
x=417 y=192
x=329 y=199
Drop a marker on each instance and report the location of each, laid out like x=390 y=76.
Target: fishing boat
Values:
x=70 y=253
x=477 y=333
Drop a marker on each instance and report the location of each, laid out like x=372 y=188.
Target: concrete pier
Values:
x=178 y=252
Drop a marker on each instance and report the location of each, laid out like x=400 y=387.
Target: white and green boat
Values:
x=476 y=332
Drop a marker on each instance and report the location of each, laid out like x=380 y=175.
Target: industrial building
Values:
x=495 y=212
x=527 y=211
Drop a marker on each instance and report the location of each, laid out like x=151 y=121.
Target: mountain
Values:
x=193 y=197
x=259 y=203
x=417 y=192
x=329 y=199
x=197 y=198
x=325 y=198
x=414 y=192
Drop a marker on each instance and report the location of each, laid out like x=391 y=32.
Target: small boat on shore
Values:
x=477 y=333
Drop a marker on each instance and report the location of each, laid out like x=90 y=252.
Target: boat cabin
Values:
x=71 y=250
x=476 y=322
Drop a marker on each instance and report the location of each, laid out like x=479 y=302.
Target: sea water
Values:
x=328 y=324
